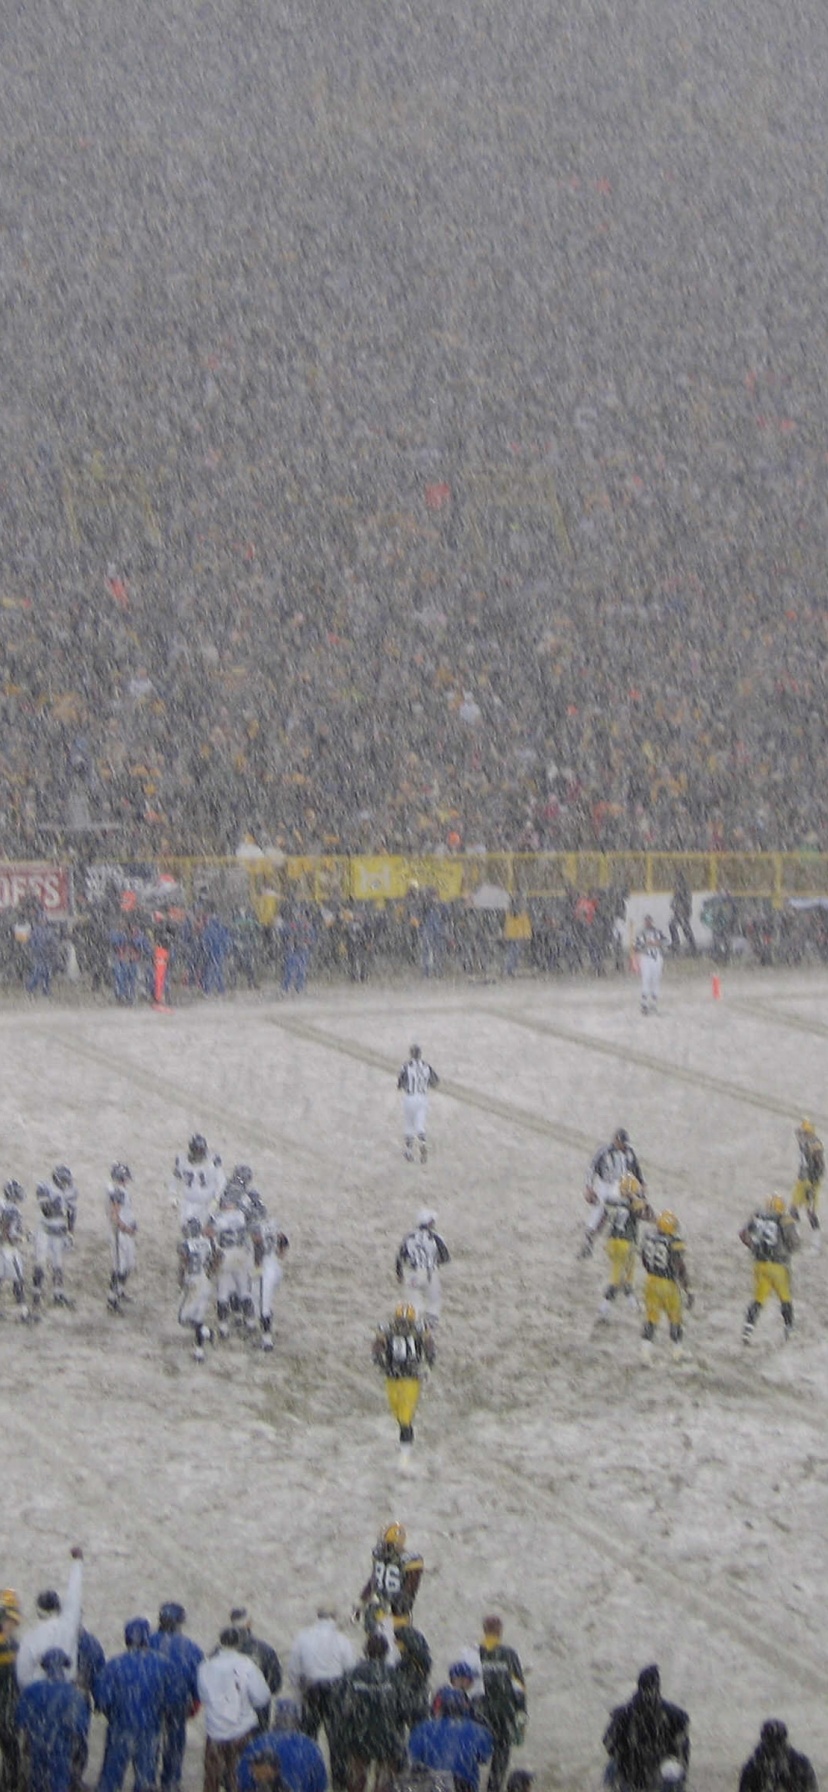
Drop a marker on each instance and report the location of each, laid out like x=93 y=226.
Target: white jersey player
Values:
x=12 y=1239
x=649 y=948
x=123 y=1225
x=609 y=1164
x=270 y=1246
x=198 y=1181
x=228 y=1229
x=57 y=1202
x=419 y=1261
x=196 y=1263
x=415 y=1079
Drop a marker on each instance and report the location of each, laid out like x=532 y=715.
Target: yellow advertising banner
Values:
x=391 y=879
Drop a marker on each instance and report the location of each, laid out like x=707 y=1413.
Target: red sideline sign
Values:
x=50 y=884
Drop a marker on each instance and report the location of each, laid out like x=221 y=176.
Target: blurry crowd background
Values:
x=414 y=426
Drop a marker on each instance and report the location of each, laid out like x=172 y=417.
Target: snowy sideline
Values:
x=614 y=1516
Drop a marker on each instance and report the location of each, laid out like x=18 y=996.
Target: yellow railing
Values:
x=526 y=876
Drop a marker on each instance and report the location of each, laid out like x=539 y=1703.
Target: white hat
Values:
x=426 y=1217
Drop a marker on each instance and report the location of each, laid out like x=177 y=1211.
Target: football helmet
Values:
x=121 y=1173
x=394 y=1534
x=243 y=1174
x=807 y=1126
x=667 y=1223
x=197 y=1148
x=62 y=1176
x=10 y=1605
x=629 y=1186
x=405 y=1311
x=776 y=1204
x=14 y=1191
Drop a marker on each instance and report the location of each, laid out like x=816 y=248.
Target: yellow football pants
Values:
x=661 y=1295
x=771 y=1278
x=403 y=1394
x=806 y=1194
x=621 y=1254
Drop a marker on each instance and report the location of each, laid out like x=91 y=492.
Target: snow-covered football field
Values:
x=614 y=1515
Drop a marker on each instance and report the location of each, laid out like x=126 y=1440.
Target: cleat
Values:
x=604 y=1310
x=24 y=1315
x=647 y=1353
x=267 y=1342
x=409 y=1156
x=198 y=1354
x=423 y=1153
x=586 y=1248
x=224 y=1329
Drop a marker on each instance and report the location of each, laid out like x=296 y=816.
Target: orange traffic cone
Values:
x=717 y=988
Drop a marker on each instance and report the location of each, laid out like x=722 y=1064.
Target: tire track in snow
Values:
x=780 y=1017
x=160 y=1084
x=697 y=1079
x=489 y=1103
x=747 y=1629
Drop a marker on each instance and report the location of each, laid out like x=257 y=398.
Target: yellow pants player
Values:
x=810 y=1175
x=624 y=1207
x=403 y=1350
x=666 y=1285
x=771 y=1236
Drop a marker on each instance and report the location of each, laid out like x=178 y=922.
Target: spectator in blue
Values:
x=189 y=951
x=299 y=938
x=433 y=937
x=216 y=946
x=135 y=1691
x=170 y=1642
x=300 y=1759
x=42 y=957
x=91 y=1659
x=53 y=1721
x=454 y=1742
x=130 y=948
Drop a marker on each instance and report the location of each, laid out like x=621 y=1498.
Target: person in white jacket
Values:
x=319 y=1656
x=57 y=1627
x=232 y=1690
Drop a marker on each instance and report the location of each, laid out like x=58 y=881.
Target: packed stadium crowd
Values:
x=515 y=719
x=296 y=537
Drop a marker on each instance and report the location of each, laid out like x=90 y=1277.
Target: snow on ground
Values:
x=613 y=1515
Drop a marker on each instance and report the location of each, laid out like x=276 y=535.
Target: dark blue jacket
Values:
x=135 y=1691
x=54 y=1718
x=457 y=1744
x=185 y=1656
x=91 y=1659
x=301 y=1760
